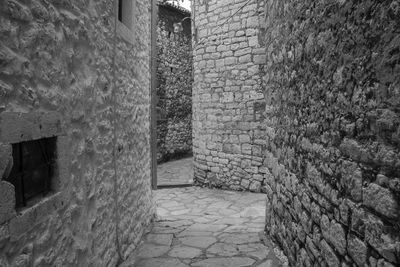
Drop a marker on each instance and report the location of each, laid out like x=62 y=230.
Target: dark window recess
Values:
x=120 y=10
x=33 y=168
x=125 y=12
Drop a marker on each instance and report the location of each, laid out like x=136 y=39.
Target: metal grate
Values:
x=33 y=167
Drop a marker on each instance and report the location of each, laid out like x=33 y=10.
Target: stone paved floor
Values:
x=177 y=172
x=206 y=228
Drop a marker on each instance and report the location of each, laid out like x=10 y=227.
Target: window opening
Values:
x=120 y=10
x=33 y=168
x=125 y=12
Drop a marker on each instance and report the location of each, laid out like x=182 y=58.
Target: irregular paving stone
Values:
x=257 y=250
x=252 y=212
x=198 y=241
x=184 y=252
x=206 y=227
x=223 y=249
x=152 y=251
x=160 y=239
x=177 y=223
x=161 y=262
x=201 y=232
x=180 y=212
x=231 y=221
x=194 y=233
x=267 y=263
x=236 y=238
x=166 y=230
x=224 y=262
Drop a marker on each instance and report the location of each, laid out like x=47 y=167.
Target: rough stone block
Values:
x=352 y=180
x=334 y=233
x=255 y=186
x=18 y=11
x=382 y=200
x=329 y=255
x=357 y=250
x=6 y=160
x=4 y=235
x=7 y=201
x=379 y=238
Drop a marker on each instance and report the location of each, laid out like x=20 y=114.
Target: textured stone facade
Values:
x=70 y=69
x=333 y=131
x=315 y=122
x=228 y=99
x=174 y=88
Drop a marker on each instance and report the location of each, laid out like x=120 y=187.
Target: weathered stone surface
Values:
x=223 y=249
x=224 y=262
x=338 y=136
x=160 y=239
x=7 y=201
x=357 y=250
x=64 y=61
x=256 y=250
x=152 y=250
x=378 y=236
x=174 y=84
x=352 y=180
x=243 y=243
x=329 y=255
x=198 y=241
x=381 y=200
x=5 y=160
x=202 y=227
x=175 y=172
x=239 y=238
x=162 y=263
x=184 y=252
x=4 y=235
x=267 y=263
x=228 y=97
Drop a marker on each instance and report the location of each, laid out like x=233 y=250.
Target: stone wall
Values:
x=333 y=131
x=70 y=69
x=174 y=89
x=228 y=99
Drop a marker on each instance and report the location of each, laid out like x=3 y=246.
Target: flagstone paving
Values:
x=176 y=172
x=202 y=227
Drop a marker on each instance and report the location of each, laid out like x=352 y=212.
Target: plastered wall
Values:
x=69 y=70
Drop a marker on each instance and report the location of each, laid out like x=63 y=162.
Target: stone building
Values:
x=174 y=78
x=297 y=99
x=228 y=98
x=303 y=104
x=74 y=131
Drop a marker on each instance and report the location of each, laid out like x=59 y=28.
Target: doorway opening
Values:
x=172 y=96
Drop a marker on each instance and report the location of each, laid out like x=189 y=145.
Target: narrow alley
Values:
x=206 y=227
x=176 y=172
x=199 y=133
